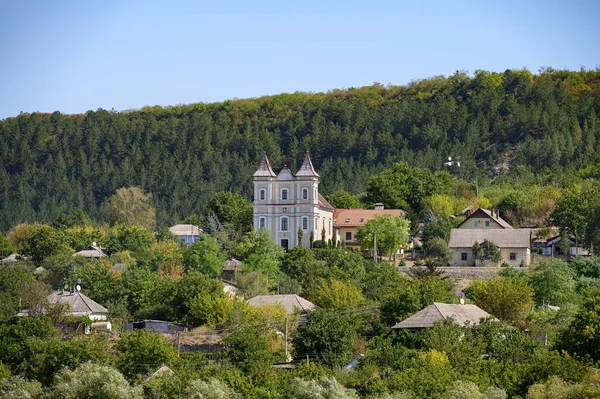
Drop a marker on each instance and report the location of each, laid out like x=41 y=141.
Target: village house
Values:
x=348 y=221
x=514 y=245
x=291 y=303
x=186 y=233
x=286 y=203
x=94 y=251
x=463 y=315
x=484 y=219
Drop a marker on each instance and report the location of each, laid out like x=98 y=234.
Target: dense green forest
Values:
x=534 y=127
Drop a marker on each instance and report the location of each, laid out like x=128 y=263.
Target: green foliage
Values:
x=258 y=251
x=41 y=241
x=392 y=234
x=132 y=207
x=6 y=248
x=437 y=248
x=323 y=388
x=248 y=349
x=343 y=200
x=588 y=267
x=434 y=289
x=142 y=351
x=93 y=381
x=328 y=336
x=134 y=239
x=486 y=251
x=205 y=256
x=503 y=297
x=232 y=210
x=582 y=336
x=17 y=387
x=334 y=294
x=211 y=389
x=553 y=282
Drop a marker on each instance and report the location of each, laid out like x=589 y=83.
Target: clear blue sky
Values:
x=74 y=56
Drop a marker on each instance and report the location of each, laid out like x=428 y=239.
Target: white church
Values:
x=285 y=202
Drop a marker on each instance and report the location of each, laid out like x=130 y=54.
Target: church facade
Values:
x=287 y=202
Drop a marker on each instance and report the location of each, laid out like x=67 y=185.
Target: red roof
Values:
x=357 y=217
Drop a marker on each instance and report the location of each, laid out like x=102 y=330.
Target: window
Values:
x=284 y=210
x=262 y=223
x=284 y=194
x=487 y=223
x=513 y=256
x=284 y=224
x=304 y=223
x=347 y=220
x=475 y=223
x=463 y=256
x=362 y=220
x=348 y=235
x=262 y=195
x=305 y=193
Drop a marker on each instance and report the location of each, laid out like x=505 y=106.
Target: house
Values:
x=514 y=245
x=93 y=252
x=157 y=326
x=188 y=233
x=436 y=312
x=76 y=304
x=286 y=203
x=484 y=219
x=229 y=272
x=348 y=221
x=291 y=303
x=553 y=247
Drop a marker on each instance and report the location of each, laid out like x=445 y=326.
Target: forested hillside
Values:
x=53 y=164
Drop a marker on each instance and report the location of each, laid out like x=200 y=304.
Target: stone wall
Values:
x=467 y=272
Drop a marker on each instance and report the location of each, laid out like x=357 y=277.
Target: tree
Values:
x=211 y=389
x=167 y=258
x=553 y=282
x=437 y=248
x=343 y=200
x=131 y=206
x=134 y=239
x=574 y=210
x=334 y=294
x=470 y=390
x=503 y=297
x=143 y=351
x=248 y=348
x=392 y=234
x=322 y=388
x=17 y=387
x=582 y=336
x=6 y=248
x=486 y=251
x=328 y=336
x=205 y=256
x=93 y=381
x=258 y=251
x=232 y=210
x=41 y=241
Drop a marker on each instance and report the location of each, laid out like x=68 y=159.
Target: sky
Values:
x=75 y=56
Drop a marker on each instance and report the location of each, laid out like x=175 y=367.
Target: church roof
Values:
x=324 y=204
x=307 y=169
x=264 y=169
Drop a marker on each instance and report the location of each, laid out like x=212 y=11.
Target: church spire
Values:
x=307 y=169
x=264 y=169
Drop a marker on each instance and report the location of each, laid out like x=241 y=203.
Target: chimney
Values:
x=379 y=206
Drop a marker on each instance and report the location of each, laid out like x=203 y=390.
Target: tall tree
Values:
x=131 y=206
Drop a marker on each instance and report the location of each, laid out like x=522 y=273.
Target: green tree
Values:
x=142 y=351
x=6 y=248
x=343 y=200
x=205 y=256
x=334 y=294
x=258 y=251
x=17 y=387
x=131 y=206
x=210 y=389
x=582 y=336
x=93 y=381
x=391 y=233
x=136 y=240
x=327 y=336
x=232 y=210
x=248 y=348
x=574 y=210
x=437 y=248
x=322 y=388
x=553 y=282
x=486 y=251
x=502 y=297
x=42 y=241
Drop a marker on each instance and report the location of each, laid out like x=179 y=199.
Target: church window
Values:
x=262 y=195
x=262 y=223
x=284 y=224
x=304 y=223
x=305 y=193
x=284 y=194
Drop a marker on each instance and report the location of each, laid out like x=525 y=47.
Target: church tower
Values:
x=285 y=203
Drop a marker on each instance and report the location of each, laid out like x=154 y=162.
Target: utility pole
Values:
x=375 y=245
x=267 y=280
x=286 y=340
